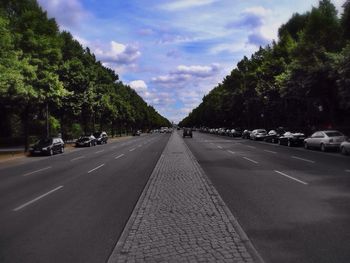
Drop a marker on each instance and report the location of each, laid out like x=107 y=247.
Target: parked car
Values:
x=246 y=134
x=187 y=132
x=258 y=134
x=324 y=140
x=136 y=133
x=291 y=139
x=236 y=132
x=101 y=137
x=86 y=140
x=345 y=147
x=47 y=146
x=271 y=136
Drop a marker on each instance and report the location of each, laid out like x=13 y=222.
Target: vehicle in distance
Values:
x=86 y=140
x=291 y=139
x=258 y=134
x=47 y=146
x=136 y=133
x=236 y=132
x=187 y=132
x=325 y=140
x=101 y=137
x=345 y=147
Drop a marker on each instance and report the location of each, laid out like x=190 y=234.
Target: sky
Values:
x=173 y=52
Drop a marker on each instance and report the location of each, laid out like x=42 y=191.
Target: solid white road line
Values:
x=302 y=159
x=96 y=168
x=231 y=152
x=119 y=156
x=100 y=151
x=80 y=157
x=290 y=177
x=270 y=151
x=250 y=160
x=220 y=147
x=36 y=199
x=132 y=149
x=253 y=147
x=36 y=171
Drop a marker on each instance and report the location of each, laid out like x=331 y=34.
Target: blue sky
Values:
x=174 y=52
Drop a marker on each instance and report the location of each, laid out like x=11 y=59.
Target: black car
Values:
x=88 y=140
x=187 y=132
x=292 y=139
x=101 y=137
x=47 y=146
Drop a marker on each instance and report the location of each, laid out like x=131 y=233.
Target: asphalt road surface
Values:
x=72 y=207
x=294 y=204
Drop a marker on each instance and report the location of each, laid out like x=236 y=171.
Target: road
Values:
x=72 y=207
x=292 y=203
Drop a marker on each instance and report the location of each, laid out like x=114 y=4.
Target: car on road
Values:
x=325 y=140
x=101 y=137
x=258 y=134
x=47 y=146
x=292 y=139
x=345 y=147
x=86 y=140
x=187 y=132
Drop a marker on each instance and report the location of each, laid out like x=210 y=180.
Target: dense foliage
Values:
x=301 y=82
x=44 y=70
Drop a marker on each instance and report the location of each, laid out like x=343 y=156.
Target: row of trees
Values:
x=46 y=72
x=302 y=81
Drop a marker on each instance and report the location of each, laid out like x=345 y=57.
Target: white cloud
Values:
x=184 y=4
x=69 y=13
x=138 y=85
x=118 y=53
x=184 y=73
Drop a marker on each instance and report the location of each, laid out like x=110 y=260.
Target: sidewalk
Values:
x=180 y=217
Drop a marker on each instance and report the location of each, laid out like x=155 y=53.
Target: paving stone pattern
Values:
x=180 y=217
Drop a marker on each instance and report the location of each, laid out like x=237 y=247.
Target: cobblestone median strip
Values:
x=180 y=217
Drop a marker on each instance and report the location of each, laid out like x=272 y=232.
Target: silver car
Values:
x=345 y=147
x=325 y=140
x=258 y=134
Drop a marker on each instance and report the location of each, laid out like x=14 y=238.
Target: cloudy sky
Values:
x=173 y=52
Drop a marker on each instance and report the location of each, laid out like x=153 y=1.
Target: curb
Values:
x=245 y=239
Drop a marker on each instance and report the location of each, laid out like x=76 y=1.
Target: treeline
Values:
x=43 y=70
x=302 y=81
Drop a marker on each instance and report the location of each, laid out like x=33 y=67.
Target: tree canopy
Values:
x=301 y=81
x=43 y=68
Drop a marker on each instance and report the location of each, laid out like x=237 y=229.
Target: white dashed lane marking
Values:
x=37 y=171
x=302 y=159
x=268 y=151
x=98 y=167
x=36 y=199
x=291 y=177
x=119 y=156
x=248 y=159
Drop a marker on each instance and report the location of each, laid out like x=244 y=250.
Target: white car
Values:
x=324 y=140
x=345 y=147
